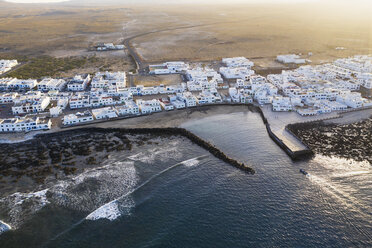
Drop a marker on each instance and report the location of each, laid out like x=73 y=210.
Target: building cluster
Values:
x=291 y=59
x=108 y=47
x=7 y=65
x=312 y=90
x=308 y=90
x=168 y=68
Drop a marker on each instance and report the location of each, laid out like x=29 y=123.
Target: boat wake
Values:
x=347 y=200
x=114 y=209
x=111 y=210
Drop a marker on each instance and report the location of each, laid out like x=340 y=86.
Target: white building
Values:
x=168 y=68
x=188 y=98
x=72 y=119
x=352 y=100
x=22 y=84
x=48 y=84
x=7 y=97
x=129 y=108
x=38 y=105
x=238 y=62
x=78 y=83
x=62 y=103
x=104 y=113
x=236 y=72
x=290 y=58
x=80 y=101
x=166 y=104
x=150 y=106
x=282 y=103
x=110 y=82
x=25 y=124
x=7 y=65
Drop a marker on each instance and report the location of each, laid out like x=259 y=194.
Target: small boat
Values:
x=304 y=172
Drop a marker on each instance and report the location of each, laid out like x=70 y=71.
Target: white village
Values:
x=62 y=102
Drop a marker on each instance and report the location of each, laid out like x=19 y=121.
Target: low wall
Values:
x=168 y=131
x=297 y=155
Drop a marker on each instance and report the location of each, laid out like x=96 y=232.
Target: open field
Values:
x=153 y=80
x=256 y=31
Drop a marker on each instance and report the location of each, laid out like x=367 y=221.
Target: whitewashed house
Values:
x=238 y=62
x=166 y=104
x=78 y=83
x=25 y=124
x=38 y=105
x=7 y=65
x=77 y=118
x=80 y=101
x=150 y=106
x=48 y=84
x=22 y=84
x=104 y=113
x=188 y=98
x=129 y=108
x=7 y=97
x=282 y=103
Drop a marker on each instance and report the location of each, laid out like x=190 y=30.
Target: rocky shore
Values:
x=351 y=141
x=63 y=153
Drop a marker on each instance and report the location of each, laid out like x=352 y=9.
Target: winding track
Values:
x=140 y=63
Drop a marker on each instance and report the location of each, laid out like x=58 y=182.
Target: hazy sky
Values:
x=353 y=2
x=199 y=1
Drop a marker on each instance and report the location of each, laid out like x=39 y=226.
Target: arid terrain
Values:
x=177 y=32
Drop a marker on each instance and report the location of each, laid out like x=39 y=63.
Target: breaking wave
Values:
x=14 y=206
x=111 y=211
x=162 y=153
x=4 y=227
x=84 y=192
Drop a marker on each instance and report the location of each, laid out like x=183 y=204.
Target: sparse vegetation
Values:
x=47 y=66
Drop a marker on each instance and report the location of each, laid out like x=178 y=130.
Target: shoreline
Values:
x=175 y=118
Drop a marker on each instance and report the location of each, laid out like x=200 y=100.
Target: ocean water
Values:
x=179 y=195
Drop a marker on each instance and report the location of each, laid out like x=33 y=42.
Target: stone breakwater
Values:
x=184 y=133
x=294 y=155
x=350 y=141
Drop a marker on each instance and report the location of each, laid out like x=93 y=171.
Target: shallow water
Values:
x=178 y=195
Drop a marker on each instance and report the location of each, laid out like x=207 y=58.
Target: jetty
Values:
x=278 y=132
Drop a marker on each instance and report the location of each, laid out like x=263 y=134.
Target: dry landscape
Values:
x=256 y=31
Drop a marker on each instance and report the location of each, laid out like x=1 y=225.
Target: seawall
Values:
x=294 y=155
x=166 y=131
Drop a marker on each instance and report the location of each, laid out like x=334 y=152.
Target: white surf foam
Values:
x=191 y=162
x=4 y=227
x=108 y=211
x=111 y=209
x=341 y=163
x=162 y=153
x=20 y=206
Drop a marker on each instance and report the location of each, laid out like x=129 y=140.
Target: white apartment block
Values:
x=150 y=106
x=37 y=106
x=78 y=83
x=80 y=101
x=48 y=84
x=77 y=118
x=7 y=65
x=104 y=113
x=25 y=124
x=238 y=62
x=129 y=108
